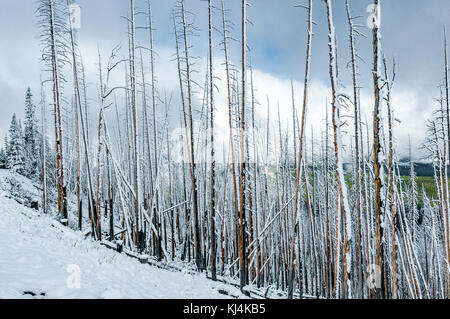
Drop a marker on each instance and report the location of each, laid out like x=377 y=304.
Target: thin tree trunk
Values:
x=213 y=160
x=391 y=183
x=300 y=153
x=242 y=178
x=379 y=291
x=357 y=155
x=343 y=206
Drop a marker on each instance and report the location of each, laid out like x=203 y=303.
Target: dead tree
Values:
x=136 y=152
x=377 y=152
x=242 y=176
x=188 y=124
x=43 y=149
x=153 y=85
x=447 y=104
x=355 y=101
x=300 y=152
x=77 y=115
x=343 y=207
x=212 y=202
x=392 y=191
x=51 y=16
x=230 y=117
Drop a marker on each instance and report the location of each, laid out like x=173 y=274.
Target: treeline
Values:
x=422 y=169
x=23 y=145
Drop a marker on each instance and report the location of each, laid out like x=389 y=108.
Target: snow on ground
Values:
x=39 y=256
x=18 y=187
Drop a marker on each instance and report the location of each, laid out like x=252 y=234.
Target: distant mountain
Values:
x=420 y=168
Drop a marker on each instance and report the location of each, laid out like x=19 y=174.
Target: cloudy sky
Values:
x=412 y=33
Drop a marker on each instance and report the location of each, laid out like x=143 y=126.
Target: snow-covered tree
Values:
x=2 y=158
x=15 y=149
x=6 y=150
x=30 y=137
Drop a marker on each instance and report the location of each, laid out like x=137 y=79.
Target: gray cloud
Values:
x=412 y=33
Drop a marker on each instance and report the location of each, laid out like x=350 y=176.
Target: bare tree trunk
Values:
x=152 y=67
x=255 y=190
x=230 y=117
x=136 y=153
x=379 y=291
x=43 y=150
x=300 y=153
x=357 y=153
x=213 y=160
x=110 y=198
x=343 y=206
x=447 y=100
x=84 y=129
x=99 y=149
x=242 y=218
x=189 y=135
x=57 y=111
x=77 y=115
x=392 y=191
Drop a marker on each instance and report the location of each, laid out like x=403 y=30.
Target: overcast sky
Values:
x=412 y=32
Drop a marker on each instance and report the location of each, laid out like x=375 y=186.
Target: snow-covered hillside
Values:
x=40 y=258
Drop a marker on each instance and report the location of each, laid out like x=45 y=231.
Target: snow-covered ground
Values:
x=40 y=258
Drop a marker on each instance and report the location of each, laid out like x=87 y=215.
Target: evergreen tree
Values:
x=15 y=152
x=2 y=158
x=30 y=137
x=6 y=150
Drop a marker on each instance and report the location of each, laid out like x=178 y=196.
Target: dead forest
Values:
x=273 y=206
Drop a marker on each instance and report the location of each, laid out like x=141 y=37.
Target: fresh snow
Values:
x=40 y=256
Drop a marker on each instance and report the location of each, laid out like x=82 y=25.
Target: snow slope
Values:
x=40 y=258
x=13 y=185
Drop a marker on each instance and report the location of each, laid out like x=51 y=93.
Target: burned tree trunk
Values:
x=242 y=178
x=378 y=202
x=342 y=207
x=300 y=153
x=212 y=207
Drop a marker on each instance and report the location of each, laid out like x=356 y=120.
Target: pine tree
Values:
x=6 y=150
x=30 y=135
x=2 y=158
x=15 y=152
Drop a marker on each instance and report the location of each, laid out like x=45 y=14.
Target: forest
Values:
x=335 y=213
